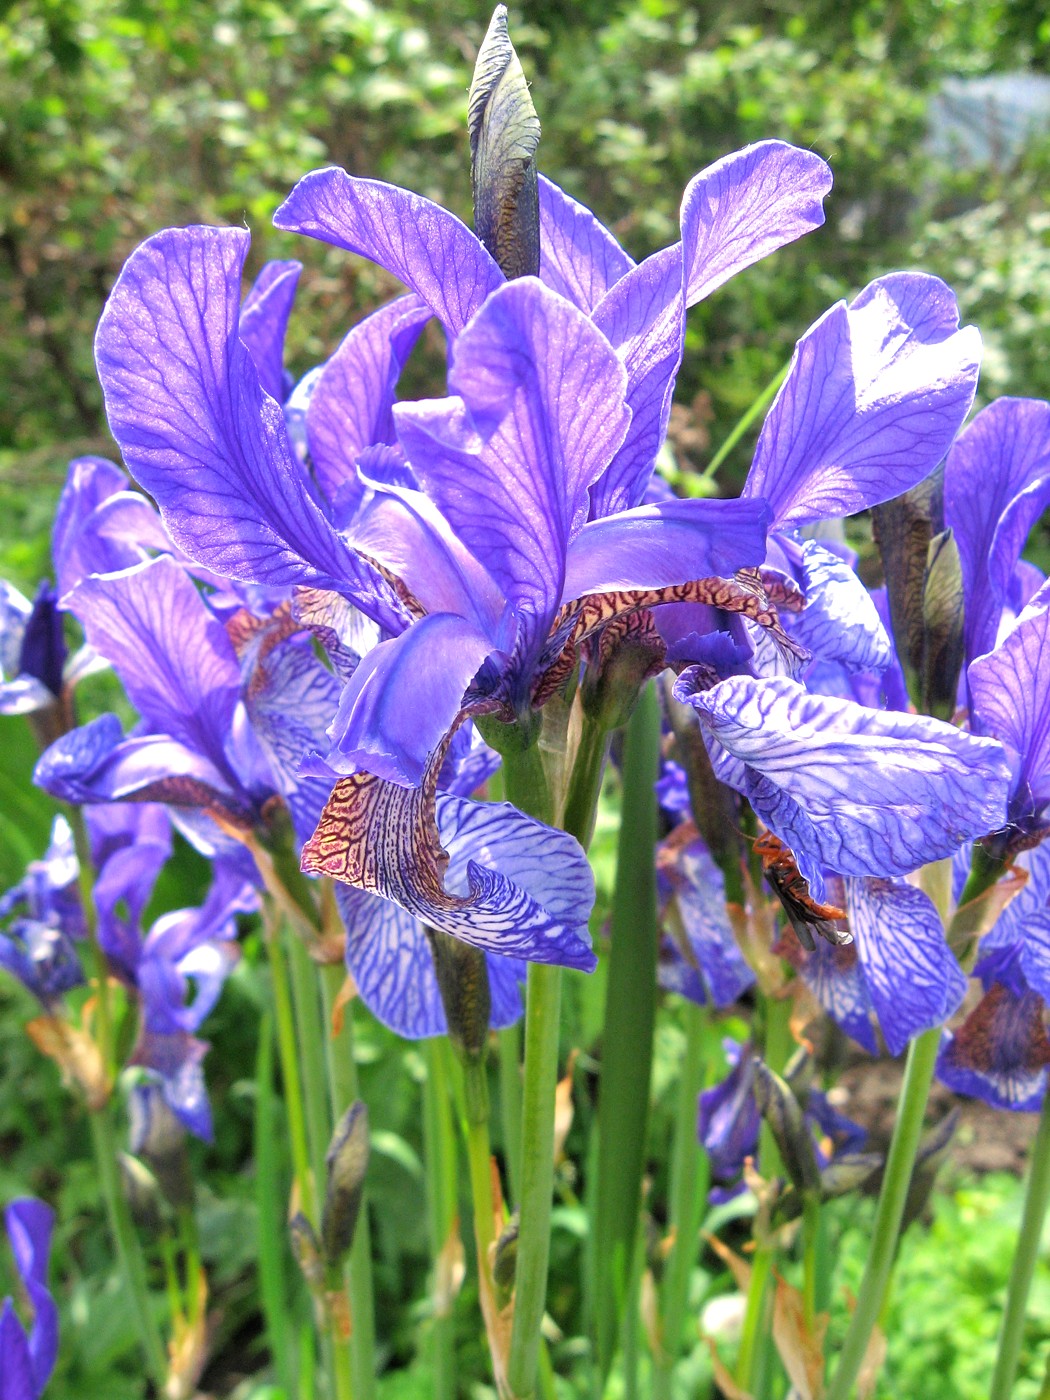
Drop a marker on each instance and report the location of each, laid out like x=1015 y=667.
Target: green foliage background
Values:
x=119 y=117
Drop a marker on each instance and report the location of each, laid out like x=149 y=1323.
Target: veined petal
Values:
x=263 y=323
x=186 y=406
x=874 y=395
x=426 y=247
x=508 y=463
x=404 y=697
x=833 y=973
x=441 y=865
x=656 y=546
x=710 y=968
x=746 y=206
x=911 y=974
x=351 y=404
x=579 y=257
x=405 y=532
x=174 y=658
x=839 y=621
x=643 y=318
x=865 y=792
x=1000 y=1053
x=388 y=956
x=1010 y=699
x=996 y=485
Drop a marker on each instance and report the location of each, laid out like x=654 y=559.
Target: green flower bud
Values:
x=347 y=1162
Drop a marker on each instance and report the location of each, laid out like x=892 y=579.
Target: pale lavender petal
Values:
x=195 y=426
x=404 y=698
x=15 y=611
x=656 y=546
x=833 y=973
x=746 y=206
x=178 y=1062
x=996 y=485
x=839 y=621
x=865 y=792
x=174 y=658
x=911 y=974
x=579 y=257
x=263 y=323
x=874 y=396
x=509 y=462
x=426 y=247
x=1010 y=699
x=350 y=406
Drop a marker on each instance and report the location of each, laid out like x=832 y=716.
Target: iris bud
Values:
x=347 y=1162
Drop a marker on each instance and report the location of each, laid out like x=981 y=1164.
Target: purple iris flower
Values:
x=27 y=1360
x=45 y=921
x=1001 y=1051
x=699 y=956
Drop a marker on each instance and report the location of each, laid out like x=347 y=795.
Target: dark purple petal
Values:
x=351 y=403
x=187 y=408
x=707 y=966
x=263 y=323
x=1010 y=700
x=122 y=891
x=510 y=886
x=174 y=658
x=29 y=1225
x=839 y=621
x=541 y=412
x=426 y=247
x=865 y=792
x=872 y=400
x=996 y=485
x=17 y=1381
x=43 y=653
x=404 y=698
x=911 y=974
x=579 y=257
x=1000 y=1053
x=389 y=958
x=656 y=546
x=746 y=206
x=728 y=1120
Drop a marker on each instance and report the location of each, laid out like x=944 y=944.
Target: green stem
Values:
x=439 y=1152
x=581 y=805
x=759 y=406
x=343 y=1089
x=1029 y=1239
x=810 y=1244
x=690 y=1171
x=509 y=1041
x=289 y=1056
x=627 y=1039
x=272 y=1281
x=132 y=1262
x=755 y=1329
x=311 y=1042
x=543 y=1004
x=911 y=1108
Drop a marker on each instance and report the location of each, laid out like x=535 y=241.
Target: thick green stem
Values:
x=627 y=1039
x=810 y=1247
x=911 y=1108
x=311 y=1042
x=543 y=1006
x=1029 y=1239
x=439 y=1152
x=690 y=1171
x=132 y=1263
x=343 y=1089
x=272 y=1281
